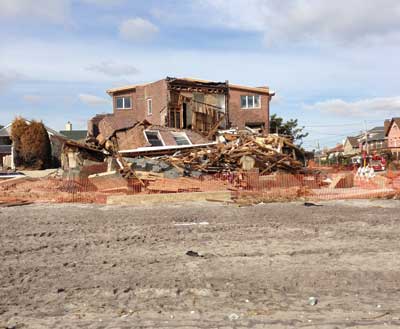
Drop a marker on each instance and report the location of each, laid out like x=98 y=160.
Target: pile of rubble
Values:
x=144 y=152
x=241 y=152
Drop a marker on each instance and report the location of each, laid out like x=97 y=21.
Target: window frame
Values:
x=149 y=108
x=253 y=96
x=123 y=102
x=158 y=135
x=181 y=134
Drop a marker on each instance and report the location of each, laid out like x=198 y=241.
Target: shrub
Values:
x=31 y=144
x=18 y=128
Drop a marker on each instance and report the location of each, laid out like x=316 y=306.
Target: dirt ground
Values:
x=85 y=266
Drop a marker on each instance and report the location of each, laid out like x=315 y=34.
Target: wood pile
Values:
x=267 y=153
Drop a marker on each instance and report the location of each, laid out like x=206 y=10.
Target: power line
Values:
x=340 y=124
x=333 y=134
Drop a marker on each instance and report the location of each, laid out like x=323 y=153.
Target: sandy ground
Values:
x=81 y=266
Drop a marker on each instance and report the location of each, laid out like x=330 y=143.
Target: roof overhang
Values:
x=259 y=90
x=121 y=89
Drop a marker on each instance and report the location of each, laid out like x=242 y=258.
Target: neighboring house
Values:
x=5 y=144
x=374 y=140
x=76 y=135
x=392 y=133
x=320 y=156
x=351 y=146
x=56 y=140
x=335 y=153
x=202 y=106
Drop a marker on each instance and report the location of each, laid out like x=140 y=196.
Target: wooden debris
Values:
x=269 y=153
x=14 y=204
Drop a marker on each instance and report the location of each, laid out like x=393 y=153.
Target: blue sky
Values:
x=334 y=66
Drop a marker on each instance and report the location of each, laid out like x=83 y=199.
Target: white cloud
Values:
x=55 y=11
x=113 y=69
x=300 y=21
x=366 y=107
x=137 y=29
x=104 y=2
x=93 y=100
x=346 y=22
x=32 y=99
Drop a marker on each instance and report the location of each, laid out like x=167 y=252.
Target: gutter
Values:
x=165 y=148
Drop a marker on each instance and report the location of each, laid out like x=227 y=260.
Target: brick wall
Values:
x=134 y=105
x=132 y=138
x=240 y=117
x=156 y=91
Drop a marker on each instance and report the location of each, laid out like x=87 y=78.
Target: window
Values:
x=243 y=102
x=149 y=107
x=154 y=138
x=123 y=103
x=181 y=138
x=250 y=101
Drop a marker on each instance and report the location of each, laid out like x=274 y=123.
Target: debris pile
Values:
x=146 y=158
x=245 y=151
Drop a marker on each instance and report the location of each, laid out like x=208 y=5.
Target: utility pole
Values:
x=319 y=154
x=366 y=143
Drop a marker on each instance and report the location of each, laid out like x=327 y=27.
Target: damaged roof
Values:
x=262 y=90
x=233 y=86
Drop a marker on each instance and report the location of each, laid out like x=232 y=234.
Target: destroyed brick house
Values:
x=183 y=107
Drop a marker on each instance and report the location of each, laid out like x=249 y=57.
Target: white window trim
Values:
x=158 y=135
x=247 y=102
x=181 y=134
x=149 y=101
x=123 y=103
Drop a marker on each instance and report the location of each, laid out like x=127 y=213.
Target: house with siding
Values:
x=351 y=146
x=191 y=104
x=374 y=141
x=392 y=132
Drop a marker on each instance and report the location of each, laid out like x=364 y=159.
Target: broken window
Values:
x=181 y=138
x=154 y=138
x=123 y=103
x=175 y=119
x=250 y=101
